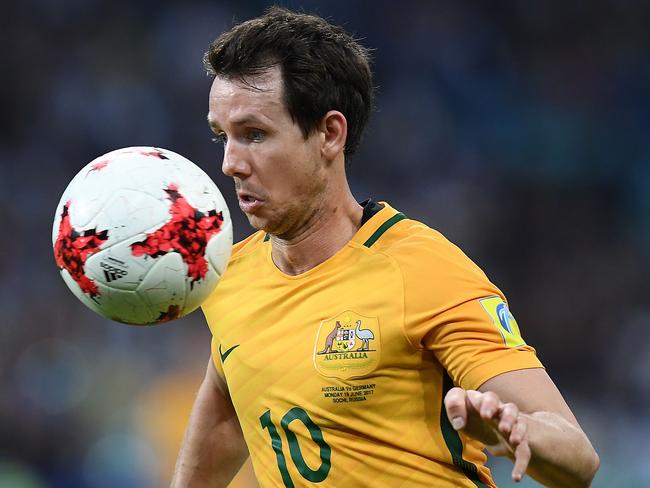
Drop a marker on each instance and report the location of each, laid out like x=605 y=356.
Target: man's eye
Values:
x=255 y=135
x=220 y=138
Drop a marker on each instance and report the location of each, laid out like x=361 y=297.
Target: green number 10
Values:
x=297 y=413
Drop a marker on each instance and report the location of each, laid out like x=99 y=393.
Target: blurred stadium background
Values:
x=518 y=129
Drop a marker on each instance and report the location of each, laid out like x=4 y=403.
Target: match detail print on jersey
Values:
x=503 y=320
x=347 y=346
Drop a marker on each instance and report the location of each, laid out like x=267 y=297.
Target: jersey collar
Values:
x=376 y=225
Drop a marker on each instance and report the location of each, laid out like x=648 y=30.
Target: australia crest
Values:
x=347 y=346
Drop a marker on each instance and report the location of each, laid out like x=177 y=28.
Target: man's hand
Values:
x=498 y=425
x=521 y=414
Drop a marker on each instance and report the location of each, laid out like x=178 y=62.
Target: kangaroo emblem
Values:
x=330 y=339
x=347 y=345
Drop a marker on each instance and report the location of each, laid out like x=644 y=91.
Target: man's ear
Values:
x=334 y=133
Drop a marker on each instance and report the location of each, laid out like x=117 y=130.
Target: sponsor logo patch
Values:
x=503 y=320
x=347 y=346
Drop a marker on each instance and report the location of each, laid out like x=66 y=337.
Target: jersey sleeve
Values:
x=453 y=310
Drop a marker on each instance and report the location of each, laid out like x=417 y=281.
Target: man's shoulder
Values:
x=248 y=245
x=436 y=274
x=412 y=236
x=419 y=249
x=238 y=270
x=246 y=254
x=386 y=228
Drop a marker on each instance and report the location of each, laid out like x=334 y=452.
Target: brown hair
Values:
x=323 y=67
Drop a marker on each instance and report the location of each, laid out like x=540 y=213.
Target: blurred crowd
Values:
x=518 y=129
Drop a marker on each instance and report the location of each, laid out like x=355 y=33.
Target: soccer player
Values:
x=352 y=346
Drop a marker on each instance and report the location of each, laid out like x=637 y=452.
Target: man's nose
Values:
x=235 y=161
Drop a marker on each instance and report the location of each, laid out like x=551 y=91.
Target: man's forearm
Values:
x=204 y=461
x=213 y=449
x=562 y=455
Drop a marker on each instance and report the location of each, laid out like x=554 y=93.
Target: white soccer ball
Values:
x=142 y=235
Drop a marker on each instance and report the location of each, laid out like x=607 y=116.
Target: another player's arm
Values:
x=522 y=415
x=213 y=449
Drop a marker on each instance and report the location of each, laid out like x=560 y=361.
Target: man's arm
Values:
x=213 y=449
x=522 y=415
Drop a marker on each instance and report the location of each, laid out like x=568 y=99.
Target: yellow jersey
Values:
x=338 y=374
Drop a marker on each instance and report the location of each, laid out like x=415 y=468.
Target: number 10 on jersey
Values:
x=297 y=413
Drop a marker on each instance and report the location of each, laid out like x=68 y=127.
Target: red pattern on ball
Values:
x=99 y=165
x=187 y=233
x=72 y=248
x=172 y=313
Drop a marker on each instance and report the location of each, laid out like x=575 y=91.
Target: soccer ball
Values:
x=142 y=235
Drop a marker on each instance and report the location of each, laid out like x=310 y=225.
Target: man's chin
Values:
x=258 y=222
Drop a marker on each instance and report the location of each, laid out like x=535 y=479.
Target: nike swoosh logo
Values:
x=224 y=355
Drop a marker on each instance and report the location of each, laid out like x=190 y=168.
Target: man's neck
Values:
x=327 y=231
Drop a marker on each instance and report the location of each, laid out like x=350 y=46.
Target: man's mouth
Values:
x=249 y=203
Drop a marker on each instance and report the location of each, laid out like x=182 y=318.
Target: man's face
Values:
x=279 y=175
